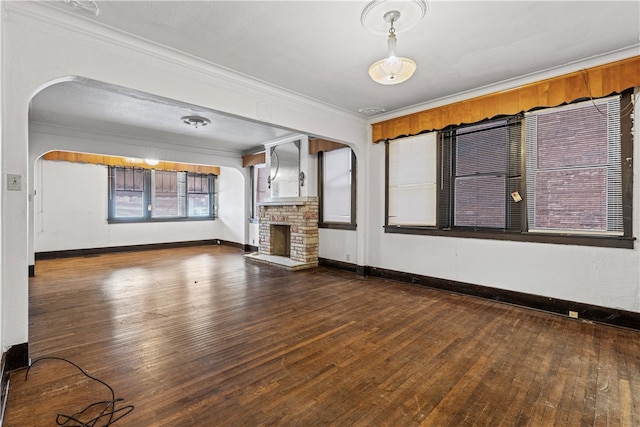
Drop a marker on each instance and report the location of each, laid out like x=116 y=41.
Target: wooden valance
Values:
x=317 y=144
x=253 y=159
x=97 y=159
x=593 y=82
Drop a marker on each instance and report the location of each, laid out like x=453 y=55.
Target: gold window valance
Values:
x=97 y=159
x=593 y=82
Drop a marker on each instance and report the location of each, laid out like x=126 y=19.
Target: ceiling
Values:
x=101 y=108
x=319 y=49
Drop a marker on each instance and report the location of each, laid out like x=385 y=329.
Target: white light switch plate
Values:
x=14 y=182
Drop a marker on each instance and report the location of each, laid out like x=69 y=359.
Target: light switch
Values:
x=14 y=182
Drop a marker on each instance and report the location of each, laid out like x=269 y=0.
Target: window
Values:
x=167 y=199
x=128 y=196
x=554 y=175
x=412 y=181
x=258 y=189
x=199 y=195
x=481 y=170
x=574 y=176
x=137 y=195
x=337 y=188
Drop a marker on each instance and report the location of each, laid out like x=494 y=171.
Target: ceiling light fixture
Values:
x=371 y=111
x=392 y=69
x=89 y=6
x=195 y=121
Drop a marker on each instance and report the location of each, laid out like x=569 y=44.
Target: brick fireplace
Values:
x=299 y=217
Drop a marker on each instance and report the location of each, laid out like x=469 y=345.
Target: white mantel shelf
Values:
x=287 y=201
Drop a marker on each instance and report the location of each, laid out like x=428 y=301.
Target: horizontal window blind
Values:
x=574 y=178
x=486 y=170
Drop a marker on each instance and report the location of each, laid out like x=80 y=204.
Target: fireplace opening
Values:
x=281 y=240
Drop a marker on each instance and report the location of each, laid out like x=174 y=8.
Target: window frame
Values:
x=436 y=199
x=447 y=197
x=352 y=224
x=254 y=214
x=625 y=241
x=148 y=193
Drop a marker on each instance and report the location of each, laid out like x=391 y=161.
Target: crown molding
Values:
x=44 y=13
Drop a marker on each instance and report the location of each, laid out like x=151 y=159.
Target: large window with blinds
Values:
x=574 y=178
x=481 y=175
x=140 y=195
x=553 y=175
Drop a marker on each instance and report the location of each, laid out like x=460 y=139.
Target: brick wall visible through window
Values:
x=574 y=168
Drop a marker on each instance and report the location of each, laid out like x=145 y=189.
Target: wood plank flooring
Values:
x=198 y=337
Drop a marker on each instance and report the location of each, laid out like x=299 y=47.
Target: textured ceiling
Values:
x=319 y=48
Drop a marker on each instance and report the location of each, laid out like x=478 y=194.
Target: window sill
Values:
x=560 y=239
x=142 y=221
x=337 y=226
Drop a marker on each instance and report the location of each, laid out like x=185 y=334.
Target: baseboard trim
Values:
x=131 y=248
x=595 y=313
x=16 y=357
x=340 y=265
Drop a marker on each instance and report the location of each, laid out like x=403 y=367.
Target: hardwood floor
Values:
x=198 y=337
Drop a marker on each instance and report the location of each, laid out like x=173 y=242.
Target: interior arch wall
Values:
x=41 y=46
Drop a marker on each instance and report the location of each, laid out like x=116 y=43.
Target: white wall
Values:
x=71 y=210
x=254 y=234
x=338 y=245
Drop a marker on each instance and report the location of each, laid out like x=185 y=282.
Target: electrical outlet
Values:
x=348 y=257
x=573 y=314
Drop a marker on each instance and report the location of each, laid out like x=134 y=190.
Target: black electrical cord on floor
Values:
x=110 y=414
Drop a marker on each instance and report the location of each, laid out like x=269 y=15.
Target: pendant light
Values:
x=392 y=69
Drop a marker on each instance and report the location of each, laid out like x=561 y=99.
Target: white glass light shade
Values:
x=392 y=70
